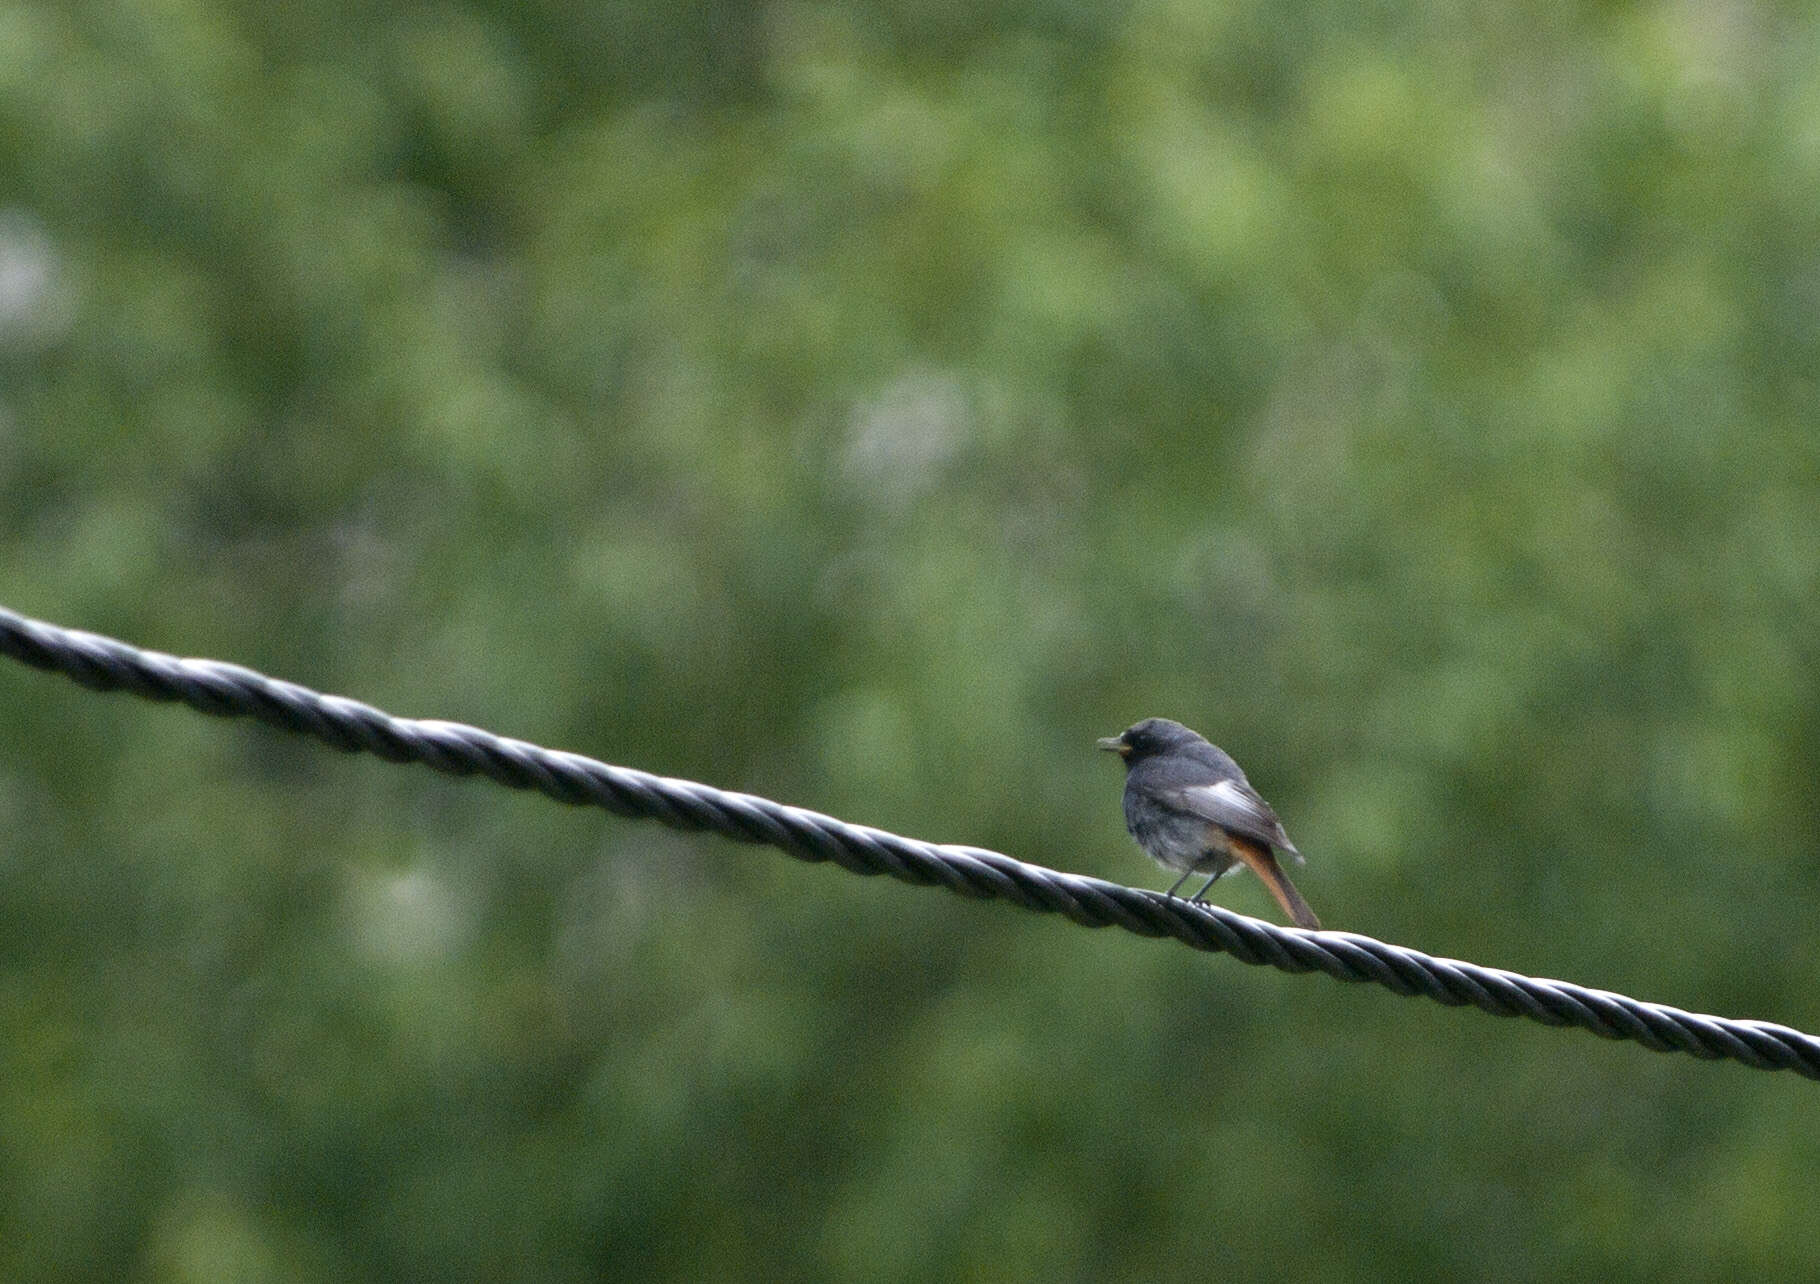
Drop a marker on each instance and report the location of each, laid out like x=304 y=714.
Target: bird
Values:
x=1189 y=806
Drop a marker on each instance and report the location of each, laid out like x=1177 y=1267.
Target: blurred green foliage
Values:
x=869 y=406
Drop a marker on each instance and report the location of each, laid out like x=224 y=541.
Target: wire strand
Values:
x=229 y=691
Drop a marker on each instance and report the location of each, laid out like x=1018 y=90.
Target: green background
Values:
x=868 y=407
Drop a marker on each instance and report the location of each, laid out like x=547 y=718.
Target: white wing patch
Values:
x=1239 y=808
x=1231 y=797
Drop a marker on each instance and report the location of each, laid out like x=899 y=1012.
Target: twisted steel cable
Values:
x=227 y=690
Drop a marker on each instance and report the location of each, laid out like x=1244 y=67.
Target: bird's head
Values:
x=1151 y=736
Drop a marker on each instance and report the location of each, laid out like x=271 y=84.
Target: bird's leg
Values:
x=1178 y=883
x=1200 y=896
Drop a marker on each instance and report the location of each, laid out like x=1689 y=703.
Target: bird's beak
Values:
x=1112 y=744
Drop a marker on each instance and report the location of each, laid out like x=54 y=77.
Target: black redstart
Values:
x=1189 y=806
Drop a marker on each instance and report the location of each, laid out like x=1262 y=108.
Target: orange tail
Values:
x=1263 y=863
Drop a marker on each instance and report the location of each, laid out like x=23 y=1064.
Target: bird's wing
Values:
x=1234 y=805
